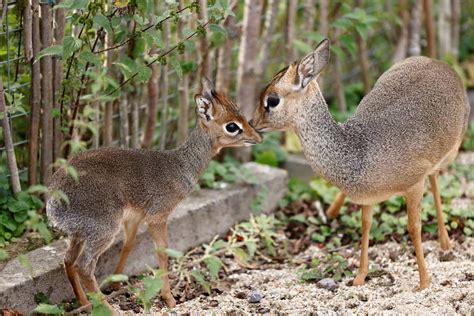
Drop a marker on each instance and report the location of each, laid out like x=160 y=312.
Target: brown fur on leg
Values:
x=364 y=249
x=443 y=236
x=336 y=205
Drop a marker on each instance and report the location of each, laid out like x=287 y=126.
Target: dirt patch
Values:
x=392 y=287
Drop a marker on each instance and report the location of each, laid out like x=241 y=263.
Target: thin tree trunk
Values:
x=124 y=134
x=444 y=28
x=323 y=28
x=135 y=121
x=338 y=84
x=224 y=59
x=183 y=90
x=290 y=30
x=309 y=16
x=164 y=90
x=455 y=24
x=96 y=118
x=363 y=56
x=60 y=21
x=414 y=48
x=246 y=82
x=35 y=96
x=430 y=29
x=402 y=44
x=109 y=106
x=7 y=137
x=268 y=32
x=204 y=58
x=153 y=84
x=46 y=97
x=27 y=38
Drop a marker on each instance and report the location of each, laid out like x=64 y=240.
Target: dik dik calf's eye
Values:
x=232 y=128
x=273 y=101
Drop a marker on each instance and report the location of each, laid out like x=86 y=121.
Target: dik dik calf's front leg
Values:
x=159 y=233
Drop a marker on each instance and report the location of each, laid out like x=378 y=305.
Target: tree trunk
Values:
x=150 y=124
x=309 y=15
x=35 y=96
x=46 y=97
x=224 y=59
x=60 y=21
x=363 y=56
x=124 y=132
x=164 y=90
x=204 y=58
x=268 y=32
x=27 y=31
x=338 y=84
x=323 y=28
x=133 y=102
x=444 y=28
x=246 y=79
x=7 y=137
x=402 y=44
x=290 y=30
x=109 y=106
x=455 y=24
x=430 y=30
x=414 y=48
x=183 y=90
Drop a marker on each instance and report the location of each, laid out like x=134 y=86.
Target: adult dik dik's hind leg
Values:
x=72 y=253
x=333 y=210
x=159 y=233
x=443 y=236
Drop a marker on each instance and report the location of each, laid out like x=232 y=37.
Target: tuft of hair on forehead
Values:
x=226 y=102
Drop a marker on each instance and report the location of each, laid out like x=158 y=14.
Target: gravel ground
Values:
x=394 y=290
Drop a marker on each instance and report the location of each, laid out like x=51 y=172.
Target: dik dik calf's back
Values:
x=128 y=186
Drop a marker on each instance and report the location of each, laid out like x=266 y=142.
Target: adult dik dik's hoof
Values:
x=169 y=300
x=359 y=280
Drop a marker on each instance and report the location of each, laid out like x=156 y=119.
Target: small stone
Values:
x=213 y=303
x=328 y=284
x=363 y=297
x=446 y=256
x=240 y=295
x=255 y=297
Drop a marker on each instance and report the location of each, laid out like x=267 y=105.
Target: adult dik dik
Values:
x=407 y=128
x=128 y=186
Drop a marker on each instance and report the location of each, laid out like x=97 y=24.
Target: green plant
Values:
x=333 y=265
x=468 y=143
x=270 y=152
x=217 y=174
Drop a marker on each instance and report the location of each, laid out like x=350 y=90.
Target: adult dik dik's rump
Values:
x=127 y=186
x=407 y=128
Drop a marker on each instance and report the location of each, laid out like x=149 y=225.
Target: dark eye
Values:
x=232 y=128
x=273 y=101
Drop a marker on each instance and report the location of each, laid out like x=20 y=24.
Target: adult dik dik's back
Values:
x=409 y=126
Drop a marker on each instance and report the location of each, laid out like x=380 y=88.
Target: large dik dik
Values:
x=407 y=128
x=128 y=186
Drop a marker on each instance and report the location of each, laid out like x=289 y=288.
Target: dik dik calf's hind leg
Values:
x=414 y=198
x=336 y=205
x=364 y=248
x=130 y=230
x=72 y=253
x=442 y=233
x=159 y=233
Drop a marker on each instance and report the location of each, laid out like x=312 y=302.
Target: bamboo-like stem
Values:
x=60 y=21
x=363 y=56
x=35 y=96
x=109 y=106
x=290 y=30
x=164 y=90
x=183 y=90
x=268 y=32
x=430 y=28
x=46 y=97
x=7 y=136
x=27 y=38
x=204 y=68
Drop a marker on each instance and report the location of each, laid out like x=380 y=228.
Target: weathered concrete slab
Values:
x=298 y=166
x=197 y=219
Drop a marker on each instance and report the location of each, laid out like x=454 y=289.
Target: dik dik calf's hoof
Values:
x=169 y=300
x=359 y=280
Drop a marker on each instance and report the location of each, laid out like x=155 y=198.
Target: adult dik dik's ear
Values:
x=312 y=64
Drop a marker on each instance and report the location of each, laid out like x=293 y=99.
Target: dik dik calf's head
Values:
x=222 y=120
x=289 y=90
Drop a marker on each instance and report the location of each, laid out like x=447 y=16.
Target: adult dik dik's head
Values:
x=289 y=91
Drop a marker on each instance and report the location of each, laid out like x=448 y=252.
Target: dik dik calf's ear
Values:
x=312 y=64
x=207 y=88
x=204 y=107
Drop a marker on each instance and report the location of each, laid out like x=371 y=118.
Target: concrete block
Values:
x=197 y=219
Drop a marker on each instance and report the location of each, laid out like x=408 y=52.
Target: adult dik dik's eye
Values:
x=273 y=101
x=232 y=128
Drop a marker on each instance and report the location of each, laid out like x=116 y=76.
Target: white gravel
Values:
x=451 y=291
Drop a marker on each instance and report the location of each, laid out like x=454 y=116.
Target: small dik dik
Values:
x=128 y=186
x=408 y=127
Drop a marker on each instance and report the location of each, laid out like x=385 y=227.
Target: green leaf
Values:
x=25 y=263
x=152 y=286
x=176 y=66
x=174 y=253
x=199 y=277
x=55 y=50
x=267 y=157
x=114 y=278
x=70 y=45
x=3 y=254
x=213 y=264
x=362 y=29
x=90 y=57
x=219 y=244
x=102 y=21
x=72 y=4
x=49 y=309
x=251 y=247
x=144 y=73
x=241 y=254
